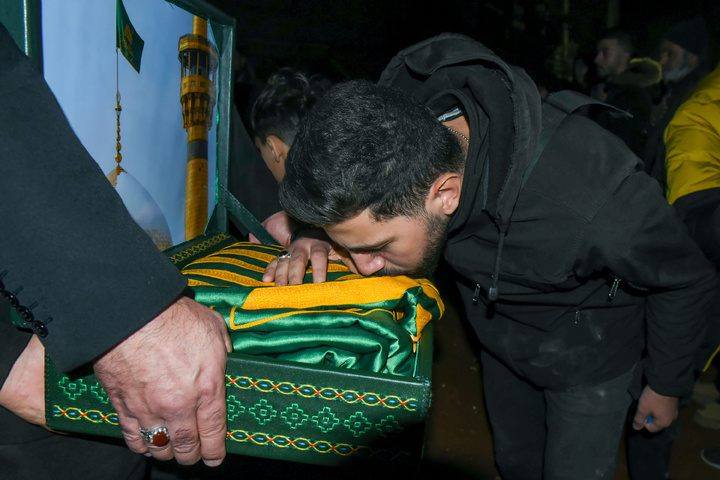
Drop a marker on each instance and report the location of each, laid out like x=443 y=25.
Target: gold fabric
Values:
x=350 y=321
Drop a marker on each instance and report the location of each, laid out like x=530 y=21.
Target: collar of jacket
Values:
x=502 y=105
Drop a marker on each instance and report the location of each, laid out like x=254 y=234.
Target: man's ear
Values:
x=444 y=195
x=278 y=147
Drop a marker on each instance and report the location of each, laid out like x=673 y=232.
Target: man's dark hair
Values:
x=284 y=102
x=365 y=146
x=623 y=37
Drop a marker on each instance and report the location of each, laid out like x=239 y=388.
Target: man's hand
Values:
x=599 y=92
x=23 y=392
x=664 y=410
x=279 y=226
x=172 y=372
x=312 y=248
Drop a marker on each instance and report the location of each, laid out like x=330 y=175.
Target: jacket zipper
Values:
x=476 y=295
x=613 y=288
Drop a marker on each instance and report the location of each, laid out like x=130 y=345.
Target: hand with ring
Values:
x=312 y=248
x=157 y=436
x=167 y=384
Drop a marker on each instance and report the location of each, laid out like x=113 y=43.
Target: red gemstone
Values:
x=160 y=439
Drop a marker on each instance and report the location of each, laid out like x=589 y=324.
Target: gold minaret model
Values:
x=198 y=60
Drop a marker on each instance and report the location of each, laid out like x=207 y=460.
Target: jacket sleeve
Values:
x=692 y=142
x=72 y=261
x=638 y=238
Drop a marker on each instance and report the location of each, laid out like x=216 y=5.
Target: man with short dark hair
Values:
x=277 y=112
x=559 y=259
x=623 y=85
x=614 y=51
x=275 y=118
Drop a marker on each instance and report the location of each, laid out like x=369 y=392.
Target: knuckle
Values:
x=134 y=442
x=131 y=436
x=212 y=387
x=169 y=403
x=214 y=421
x=318 y=248
x=185 y=440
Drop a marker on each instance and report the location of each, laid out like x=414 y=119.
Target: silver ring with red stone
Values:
x=284 y=254
x=157 y=436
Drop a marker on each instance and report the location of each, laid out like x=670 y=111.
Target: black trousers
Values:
x=33 y=453
x=566 y=433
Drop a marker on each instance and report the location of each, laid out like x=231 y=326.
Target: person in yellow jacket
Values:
x=692 y=141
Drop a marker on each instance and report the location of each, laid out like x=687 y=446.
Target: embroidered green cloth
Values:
x=356 y=390
x=365 y=323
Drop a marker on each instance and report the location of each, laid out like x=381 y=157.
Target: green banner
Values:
x=127 y=39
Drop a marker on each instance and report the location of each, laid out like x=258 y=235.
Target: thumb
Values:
x=641 y=419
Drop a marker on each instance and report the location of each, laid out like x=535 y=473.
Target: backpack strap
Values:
x=556 y=107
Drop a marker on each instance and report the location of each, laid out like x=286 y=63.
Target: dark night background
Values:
x=355 y=39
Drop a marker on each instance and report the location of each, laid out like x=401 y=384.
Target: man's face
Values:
x=674 y=61
x=611 y=58
x=400 y=246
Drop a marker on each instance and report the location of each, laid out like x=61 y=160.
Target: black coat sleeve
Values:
x=700 y=212
x=639 y=238
x=70 y=254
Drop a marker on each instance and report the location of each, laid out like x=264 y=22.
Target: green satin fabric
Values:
x=343 y=336
x=378 y=336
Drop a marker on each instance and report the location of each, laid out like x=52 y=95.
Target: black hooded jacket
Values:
x=581 y=248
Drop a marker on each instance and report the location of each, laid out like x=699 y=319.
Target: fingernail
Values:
x=212 y=463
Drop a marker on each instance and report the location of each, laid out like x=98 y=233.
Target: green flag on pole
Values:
x=127 y=39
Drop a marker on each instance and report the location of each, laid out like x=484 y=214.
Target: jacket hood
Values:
x=502 y=106
x=641 y=72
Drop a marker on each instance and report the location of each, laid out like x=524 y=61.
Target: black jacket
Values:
x=581 y=254
x=72 y=260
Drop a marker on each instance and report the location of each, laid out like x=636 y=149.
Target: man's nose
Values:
x=368 y=263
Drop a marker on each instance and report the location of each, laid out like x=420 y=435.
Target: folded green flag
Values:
x=127 y=39
x=365 y=323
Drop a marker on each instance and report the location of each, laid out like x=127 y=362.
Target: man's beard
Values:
x=436 y=228
x=676 y=74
